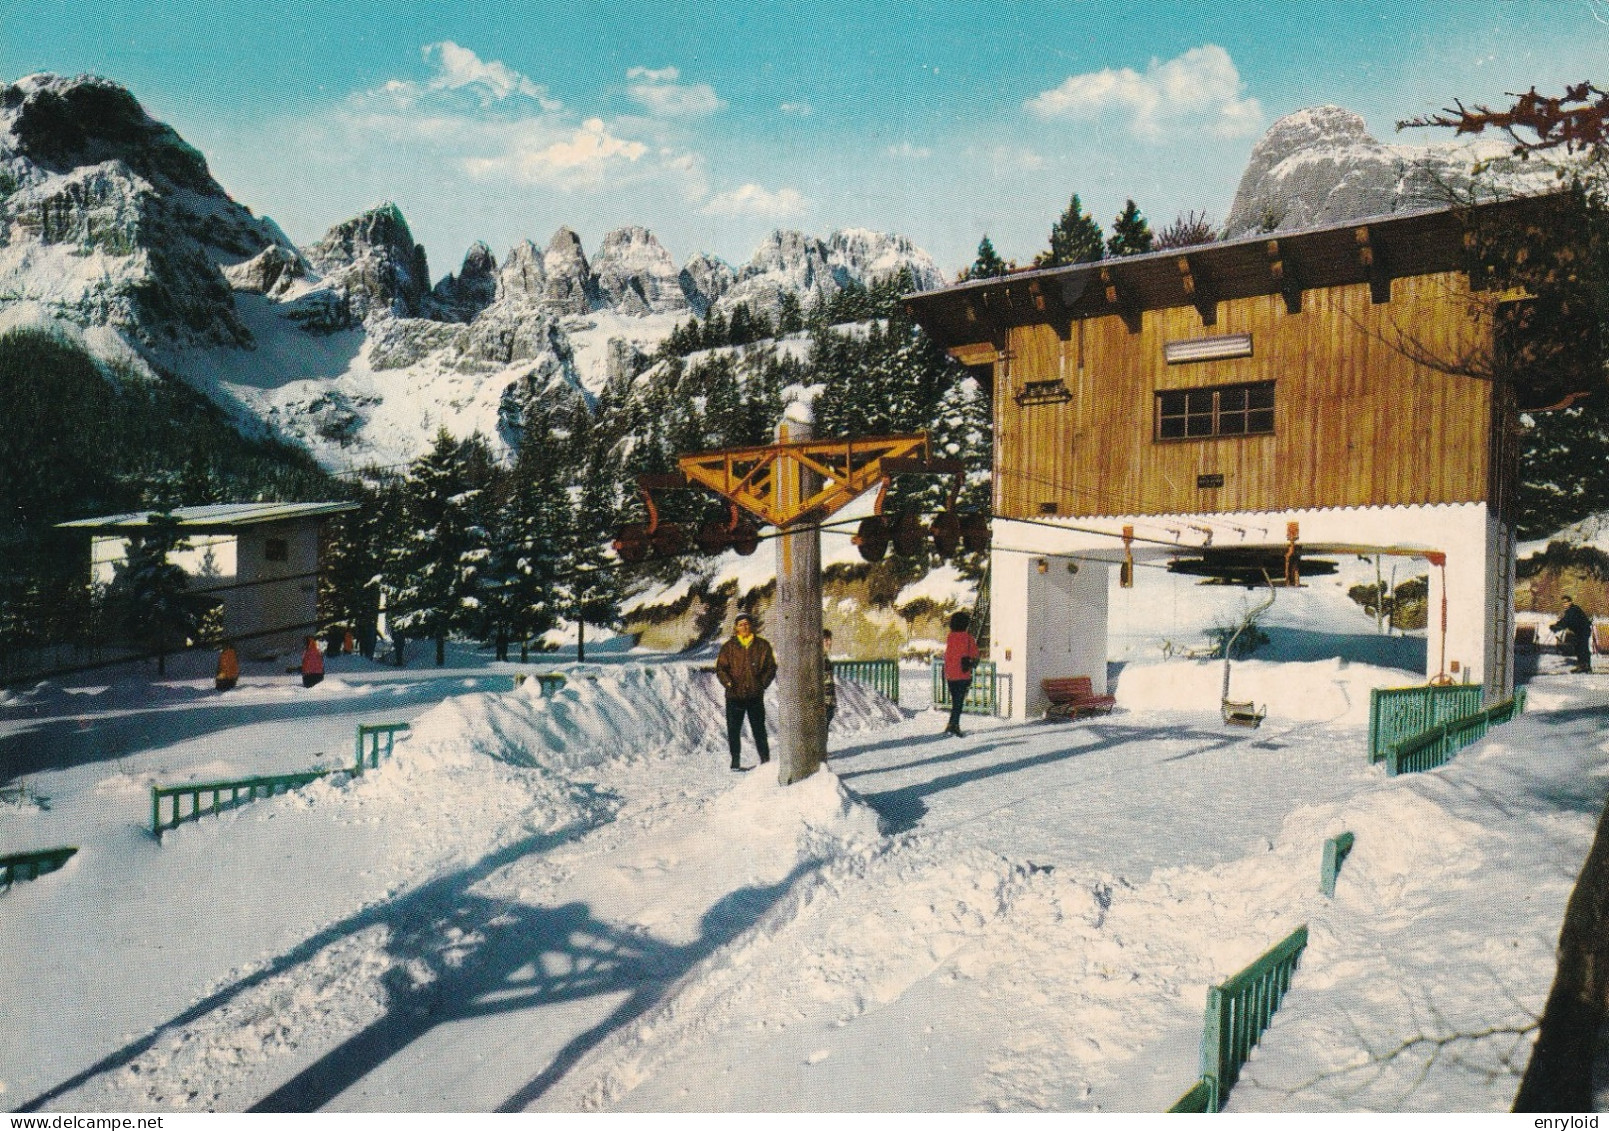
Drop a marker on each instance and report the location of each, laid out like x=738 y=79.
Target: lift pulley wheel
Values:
x=631 y=545
x=871 y=538
x=946 y=531
x=908 y=536
x=975 y=533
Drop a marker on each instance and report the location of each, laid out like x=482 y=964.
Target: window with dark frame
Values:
x=1225 y=410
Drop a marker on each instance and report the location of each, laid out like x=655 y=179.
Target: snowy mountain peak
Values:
x=871 y=256
x=636 y=275
x=1321 y=166
x=704 y=279
x=571 y=288
x=373 y=261
x=60 y=124
x=474 y=288
x=523 y=274
x=111 y=219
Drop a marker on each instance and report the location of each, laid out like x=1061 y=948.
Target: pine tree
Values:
x=533 y=527
x=987 y=265
x=1131 y=235
x=1075 y=238
x=741 y=329
x=357 y=549
x=714 y=333
x=440 y=566
x=790 y=314
x=150 y=595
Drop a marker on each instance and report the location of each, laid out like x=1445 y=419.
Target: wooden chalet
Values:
x=1244 y=404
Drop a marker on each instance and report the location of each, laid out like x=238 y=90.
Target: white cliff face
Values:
x=1321 y=166
x=571 y=288
x=373 y=262
x=108 y=219
x=523 y=274
x=636 y=275
x=869 y=256
x=704 y=279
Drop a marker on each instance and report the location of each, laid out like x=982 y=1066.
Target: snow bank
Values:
x=608 y=713
x=1332 y=691
x=1424 y=978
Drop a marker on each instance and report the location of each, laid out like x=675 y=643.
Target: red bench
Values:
x=1073 y=696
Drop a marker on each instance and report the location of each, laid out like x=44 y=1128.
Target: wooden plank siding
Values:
x=1356 y=421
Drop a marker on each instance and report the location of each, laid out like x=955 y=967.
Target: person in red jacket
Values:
x=312 y=663
x=960 y=657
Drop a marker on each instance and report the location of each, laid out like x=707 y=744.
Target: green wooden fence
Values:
x=32 y=865
x=1436 y=746
x=1238 y=1012
x=220 y=795
x=1336 y=850
x=1396 y=713
x=374 y=739
x=982 y=698
x=881 y=676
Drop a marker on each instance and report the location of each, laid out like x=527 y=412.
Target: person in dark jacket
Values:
x=960 y=657
x=312 y=663
x=829 y=690
x=1576 y=621
x=746 y=667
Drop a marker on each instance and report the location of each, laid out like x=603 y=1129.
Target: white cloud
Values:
x=797 y=109
x=584 y=156
x=911 y=152
x=662 y=95
x=666 y=74
x=460 y=69
x=493 y=124
x=1199 y=89
x=754 y=200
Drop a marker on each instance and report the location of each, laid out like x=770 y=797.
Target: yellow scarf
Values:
x=745 y=640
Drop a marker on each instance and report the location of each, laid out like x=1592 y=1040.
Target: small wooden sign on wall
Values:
x=1216 y=479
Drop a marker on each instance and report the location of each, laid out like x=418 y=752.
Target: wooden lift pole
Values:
x=802 y=710
x=794 y=485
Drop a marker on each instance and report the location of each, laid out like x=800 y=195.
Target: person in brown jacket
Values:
x=228 y=668
x=746 y=667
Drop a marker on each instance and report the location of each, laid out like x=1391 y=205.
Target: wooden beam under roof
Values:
x=1198 y=291
x=1285 y=276
x=1370 y=260
x=1118 y=302
x=1402 y=246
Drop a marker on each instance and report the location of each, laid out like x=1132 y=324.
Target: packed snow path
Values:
x=571 y=904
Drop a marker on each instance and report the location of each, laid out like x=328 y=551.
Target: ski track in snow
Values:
x=569 y=904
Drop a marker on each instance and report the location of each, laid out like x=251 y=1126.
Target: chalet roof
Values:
x=1372 y=250
x=219 y=518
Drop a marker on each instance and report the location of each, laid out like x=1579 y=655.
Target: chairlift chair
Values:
x=1237 y=712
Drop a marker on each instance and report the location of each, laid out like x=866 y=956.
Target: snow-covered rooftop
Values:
x=219 y=515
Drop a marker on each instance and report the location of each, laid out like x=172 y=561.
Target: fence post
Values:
x=1214 y=1060
x=1336 y=850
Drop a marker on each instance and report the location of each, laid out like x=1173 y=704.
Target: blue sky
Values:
x=712 y=123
